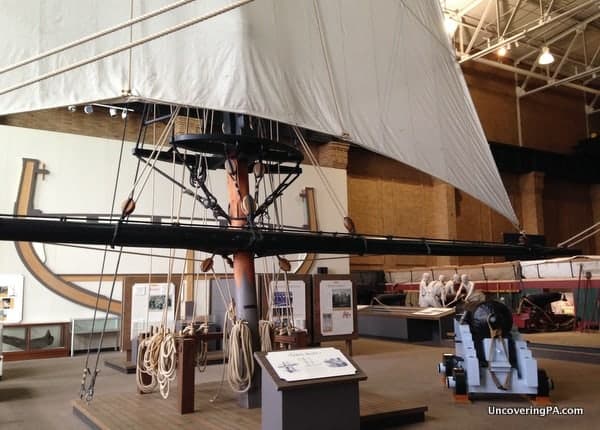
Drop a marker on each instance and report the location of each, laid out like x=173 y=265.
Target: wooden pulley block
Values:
x=230 y=167
x=248 y=205
x=284 y=264
x=207 y=264
x=349 y=224
x=128 y=207
x=258 y=169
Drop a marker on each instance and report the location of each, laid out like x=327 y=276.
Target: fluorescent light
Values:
x=450 y=25
x=545 y=57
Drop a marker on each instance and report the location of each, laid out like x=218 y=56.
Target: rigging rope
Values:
x=265 y=325
x=87 y=389
x=315 y=163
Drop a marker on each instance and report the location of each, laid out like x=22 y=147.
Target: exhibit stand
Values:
x=334 y=310
x=309 y=388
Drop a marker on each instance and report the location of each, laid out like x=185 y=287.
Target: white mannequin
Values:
x=429 y=294
x=467 y=291
x=434 y=292
x=423 y=289
x=450 y=289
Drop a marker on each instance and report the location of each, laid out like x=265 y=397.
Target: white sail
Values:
x=378 y=73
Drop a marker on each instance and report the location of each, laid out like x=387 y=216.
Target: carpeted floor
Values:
x=37 y=394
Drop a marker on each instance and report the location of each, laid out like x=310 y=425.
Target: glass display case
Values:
x=86 y=333
x=40 y=340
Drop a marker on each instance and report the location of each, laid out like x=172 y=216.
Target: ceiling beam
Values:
x=526 y=32
x=563 y=81
x=510 y=68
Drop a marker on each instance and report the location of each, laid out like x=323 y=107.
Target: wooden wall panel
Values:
x=493 y=93
x=567 y=211
x=553 y=120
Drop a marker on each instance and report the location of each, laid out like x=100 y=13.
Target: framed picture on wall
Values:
x=11 y=298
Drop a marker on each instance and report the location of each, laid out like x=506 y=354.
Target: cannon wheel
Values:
x=543 y=384
x=448 y=362
x=460 y=381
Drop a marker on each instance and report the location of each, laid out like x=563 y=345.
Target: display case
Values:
x=83 y=328
x=39 y=340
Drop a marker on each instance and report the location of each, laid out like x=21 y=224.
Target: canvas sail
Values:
x=378 y=73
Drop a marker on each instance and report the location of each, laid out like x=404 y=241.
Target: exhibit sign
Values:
x=305 y=364
x=289 y=302
x=148 y=306
x=11 y=298
x=432 y=311
x=337 y=310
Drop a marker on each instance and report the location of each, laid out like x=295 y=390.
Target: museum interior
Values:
x=300 y=214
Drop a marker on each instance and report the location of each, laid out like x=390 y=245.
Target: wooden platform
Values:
x=121 y=365
x=150 y=411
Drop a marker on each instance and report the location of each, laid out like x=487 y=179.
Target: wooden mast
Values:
x=243 y=270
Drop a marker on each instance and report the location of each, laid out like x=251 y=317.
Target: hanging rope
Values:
x=348 y=223
x=141 y=370
x=167 y=361
x=87 y=388
x=237 y=342
x=265 y=328
x=265 y=325
x=240 y=365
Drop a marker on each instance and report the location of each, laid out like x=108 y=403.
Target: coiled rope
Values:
x=240 y=364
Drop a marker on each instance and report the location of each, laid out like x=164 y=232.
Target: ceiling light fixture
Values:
x=545 y=57
x=502 y=51
x=124 y=113
x=112 y=112
x=88 y=109
x=71 y=108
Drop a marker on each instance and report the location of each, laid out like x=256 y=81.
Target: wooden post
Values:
x=186 y=349
x=243 y=272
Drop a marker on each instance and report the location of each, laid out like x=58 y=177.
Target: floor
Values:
x=37 y=394
x=587 y=339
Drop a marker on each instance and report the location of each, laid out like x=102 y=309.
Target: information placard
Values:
x=313 y=363
x=337 y=307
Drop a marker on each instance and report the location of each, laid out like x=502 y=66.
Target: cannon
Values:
x=490 y=356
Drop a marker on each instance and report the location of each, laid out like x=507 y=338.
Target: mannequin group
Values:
x=445 y=294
